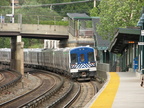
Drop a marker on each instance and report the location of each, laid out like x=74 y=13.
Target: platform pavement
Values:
x=129 y=94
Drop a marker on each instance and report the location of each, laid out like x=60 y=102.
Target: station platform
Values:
x=122 y=90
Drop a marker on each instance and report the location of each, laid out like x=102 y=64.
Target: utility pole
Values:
x=12 y=11
x=94 y=3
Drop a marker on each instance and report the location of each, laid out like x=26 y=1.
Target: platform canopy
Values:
x=123 y=38
x=79 y=16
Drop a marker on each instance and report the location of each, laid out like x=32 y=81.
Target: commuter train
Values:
x=78 y=62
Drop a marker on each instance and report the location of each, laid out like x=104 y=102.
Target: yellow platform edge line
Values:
x=106 y=98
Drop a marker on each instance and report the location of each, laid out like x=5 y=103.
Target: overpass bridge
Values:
x=55 y=32
x=17 y=31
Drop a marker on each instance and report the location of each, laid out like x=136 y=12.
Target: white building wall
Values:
x=51 y=44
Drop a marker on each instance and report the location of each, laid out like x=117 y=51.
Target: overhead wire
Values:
x=52 y=4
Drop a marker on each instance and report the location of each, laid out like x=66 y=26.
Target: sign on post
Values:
x=142 y=32
x=140 y=43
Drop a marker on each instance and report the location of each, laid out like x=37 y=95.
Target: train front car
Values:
x=82 y=63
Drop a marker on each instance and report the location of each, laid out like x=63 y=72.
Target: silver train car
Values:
x=78 y=62
x=5 y=55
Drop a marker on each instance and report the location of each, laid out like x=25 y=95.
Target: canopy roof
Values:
x=122 y=37
x=79 y=16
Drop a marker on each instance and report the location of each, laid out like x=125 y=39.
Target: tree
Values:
x=4 y=3
x=32 y=15
x=117 y=13
x=4 y=42
x=94 y=12
x=68 y=8
x=74 y=8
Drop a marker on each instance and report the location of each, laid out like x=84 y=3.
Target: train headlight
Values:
x=93 y=64
x=73 y=66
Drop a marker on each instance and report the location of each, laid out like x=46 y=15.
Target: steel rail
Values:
x=12 y=83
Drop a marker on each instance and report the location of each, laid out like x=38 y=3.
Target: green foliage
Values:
x=75 y=8
x=32 y=15
x=33 y=43
x=4 y=42
x=37 y=46
x=94 y=12
x=115 y=14
x=4 y=2
x=69 y=8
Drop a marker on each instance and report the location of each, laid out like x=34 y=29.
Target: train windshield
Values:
x=91 y=56
x=73 y=58
x=82 y=58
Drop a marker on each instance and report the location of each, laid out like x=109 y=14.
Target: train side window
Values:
x=82 y=58
x=91 y=56
x=73 y=58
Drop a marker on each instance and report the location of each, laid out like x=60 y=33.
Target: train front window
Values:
x=82 y=58
x=91 y=56
x=73 y=58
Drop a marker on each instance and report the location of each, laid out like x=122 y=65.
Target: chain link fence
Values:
x=34 y=19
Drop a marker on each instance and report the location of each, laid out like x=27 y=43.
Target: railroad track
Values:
x=48 y=87
x=79 y=96
x=60 y=94
x=56 y=100
x=9 y=79
x=87 y=91
x=1 y=78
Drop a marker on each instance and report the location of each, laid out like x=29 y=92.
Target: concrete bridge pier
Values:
x=17 y=58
